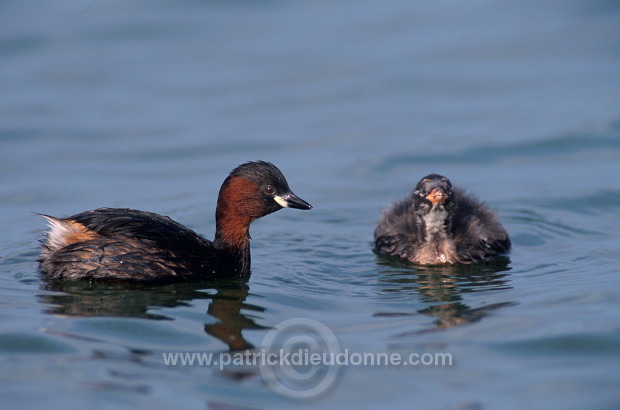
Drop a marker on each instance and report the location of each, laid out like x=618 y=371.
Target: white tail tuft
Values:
x=60 y=232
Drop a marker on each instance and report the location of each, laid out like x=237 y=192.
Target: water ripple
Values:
x=493 y=154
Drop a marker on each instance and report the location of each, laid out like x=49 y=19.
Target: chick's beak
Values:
x=290 y=200
x=437 y=196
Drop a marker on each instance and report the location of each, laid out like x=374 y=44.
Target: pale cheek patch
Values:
x=281 y=201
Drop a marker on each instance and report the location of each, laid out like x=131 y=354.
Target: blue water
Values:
x=149 y=104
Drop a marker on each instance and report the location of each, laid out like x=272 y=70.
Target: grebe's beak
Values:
x=290 y=200
x=437 y=196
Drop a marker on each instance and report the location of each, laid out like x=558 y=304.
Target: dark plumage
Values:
x=439 y=224
x=130 y=245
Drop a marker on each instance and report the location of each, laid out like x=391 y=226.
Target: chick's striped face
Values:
x=433 y=190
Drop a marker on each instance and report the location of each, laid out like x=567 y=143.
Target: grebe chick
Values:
x=439 y=224
x=130 y=245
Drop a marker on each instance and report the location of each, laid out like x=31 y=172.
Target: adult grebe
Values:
x=130 y=245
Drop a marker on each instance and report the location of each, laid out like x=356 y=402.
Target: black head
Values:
x=433 y=192
x=270 y=184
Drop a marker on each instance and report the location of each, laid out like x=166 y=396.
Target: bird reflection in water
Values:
x=442 y=287
x=86 y=299
x=80 y=298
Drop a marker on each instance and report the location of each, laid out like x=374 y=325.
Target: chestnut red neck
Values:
x=239 y=203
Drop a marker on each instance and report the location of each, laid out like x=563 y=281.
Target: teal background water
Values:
x=149 y=104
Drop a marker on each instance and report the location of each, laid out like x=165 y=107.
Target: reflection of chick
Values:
x=438 y=224
x=456 y=314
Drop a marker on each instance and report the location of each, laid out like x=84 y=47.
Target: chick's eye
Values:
x=270 y=190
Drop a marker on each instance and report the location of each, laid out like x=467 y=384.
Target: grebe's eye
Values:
x=270 y=190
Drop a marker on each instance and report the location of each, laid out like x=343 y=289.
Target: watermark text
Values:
x=304 y=357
